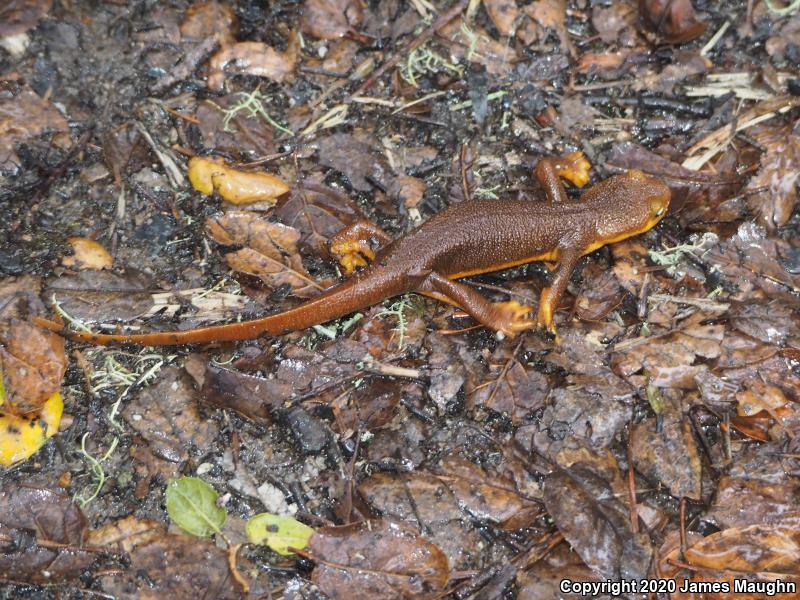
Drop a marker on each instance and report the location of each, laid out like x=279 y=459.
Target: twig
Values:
x=174 y=173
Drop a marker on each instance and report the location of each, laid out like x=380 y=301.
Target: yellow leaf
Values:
x=237 y=187
x=22 y=436
x=279 y=533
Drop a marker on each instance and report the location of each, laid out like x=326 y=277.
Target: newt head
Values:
x=632 y=203
x=653 y=193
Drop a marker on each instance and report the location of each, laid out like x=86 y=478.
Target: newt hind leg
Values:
x=353 y=245
x=509 y=317
x=573 y=167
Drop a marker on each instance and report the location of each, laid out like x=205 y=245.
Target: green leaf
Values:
x=192 y=506
x=279 y=533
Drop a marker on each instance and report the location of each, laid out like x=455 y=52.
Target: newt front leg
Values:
x=353 y=245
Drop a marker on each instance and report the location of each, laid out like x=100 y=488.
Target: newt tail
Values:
x=349 y=296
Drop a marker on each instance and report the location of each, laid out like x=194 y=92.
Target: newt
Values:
x=465 y=239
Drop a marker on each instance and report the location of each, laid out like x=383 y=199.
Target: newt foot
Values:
x=574 y=167
x=545 y=322
x=352 y=254
x=512 y=317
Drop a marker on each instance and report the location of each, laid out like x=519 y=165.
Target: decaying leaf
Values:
x=675 y=20
x=355 y=156
x=280 y=533
x=32 y=366
x=479 y=46
x=752 y=500
x=237 y=187
x=204 y=19
x=245 y=134
x=87 y=254
x=377 y=559
x=171 y=566
x=593 y=517
x=269 y=253
x=43 y=536
x=772 y=549
x=102 y=295
x=18 y=16
x=774 y=188
x=668 y=452
x=370 y=406
x=512 y=389
x=330 y=19
x=167 y=416
x=487 y=496
x=503 y=14
x=252 y=397
x=319 y=213
x=253 y=58
x=551 y=14
x=24 y=115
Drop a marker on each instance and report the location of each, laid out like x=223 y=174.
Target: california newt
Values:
x=464 y=239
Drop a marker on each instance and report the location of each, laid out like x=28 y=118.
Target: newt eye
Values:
x=661 y=211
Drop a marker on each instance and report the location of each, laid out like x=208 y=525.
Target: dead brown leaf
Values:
x=755 y=265
x=370 y=406
x=331 y=19
x=407 y=190
x=168 y=417
x=767 y=549
x=253 y=58
x=244 y=135
x=497 y=57
x=377 y=559
x=119 y=145
x=24 y=116
x=42 y=536
x=319 y=213
x=610 y=20
x=512 y=389
x=552 y=14
x=250 y=396
x=18 y=16
x=204 y=19
x=595 y=520
x=102 y=295
x=126 y=533
x=674 y=20
x=600 y=294
x=744 y=501
x=424 y=501
x=777 y=179
x=270 y=251
x=488 y=496
x=667 y=452
x=661 y=355
x=503 y=14
x=32 y=365
x=355 y=156
x=170 y=566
